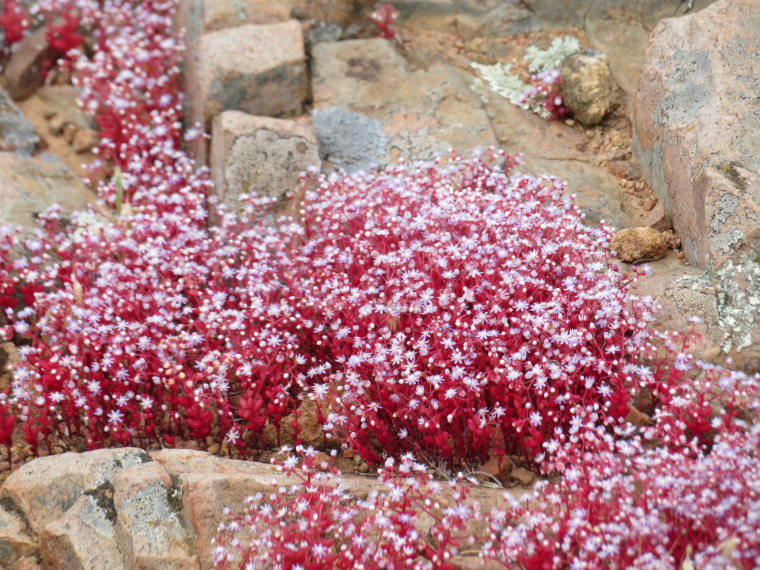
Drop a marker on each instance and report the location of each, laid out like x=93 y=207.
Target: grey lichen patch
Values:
x=174 y=493
x=120 y=460
x=659 y=184
x=99 y=514
x=726 y=206
x=737 y=300
x=416 y=145
x=102 y=501
x=153 y=517
x=267 y=164
x=350 y=141
x=690 y=87
x=702 y=304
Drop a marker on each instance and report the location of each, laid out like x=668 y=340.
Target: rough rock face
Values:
x=699 y=84
x=485 y=17
x=410 y=115
x=63 y=100
x=220 y=14
x=16 y=132
x=259 y=69
x=29 y=186
x=551 y=147
x=573 y=13
x=259 y=155
x=124 y=509
x=697 y=139
x=588 y=88
x=639 y=244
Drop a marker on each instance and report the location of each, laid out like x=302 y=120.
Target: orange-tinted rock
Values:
x=636 y=244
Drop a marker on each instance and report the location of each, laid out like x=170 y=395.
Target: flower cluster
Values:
x=538 y=93
x=543 y=96
x=450 y=307
x=450 y=310
x=14 y=21
x=661 y=497
x=384 y=16
x=148 y=327
x=311 y=520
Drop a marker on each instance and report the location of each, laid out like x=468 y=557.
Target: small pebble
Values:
x=363 y=468
x=569 y=122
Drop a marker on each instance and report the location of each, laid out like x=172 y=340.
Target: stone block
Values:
x=698 y=84
x=201 y=16
x=697 y=139
x=206 y=496
x=258 y=69
x=259 y=155
x=179 y=461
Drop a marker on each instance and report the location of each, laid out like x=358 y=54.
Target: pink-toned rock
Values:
x=259 y=69
x=26 y=563
x=47 y=487
x=679 y=301
x=259 y=155
x=151 y=530
x=699 y=84
x=179 y=461
x=637 y=244
x=24 y=71
x=624 y=169
x=221 y=14
x=371 y=110
x=637 y=418
x=696 y=137
x=83 y=538
x=8 y=356
x=197 y=17
x=205 y=497
x=657 y=218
